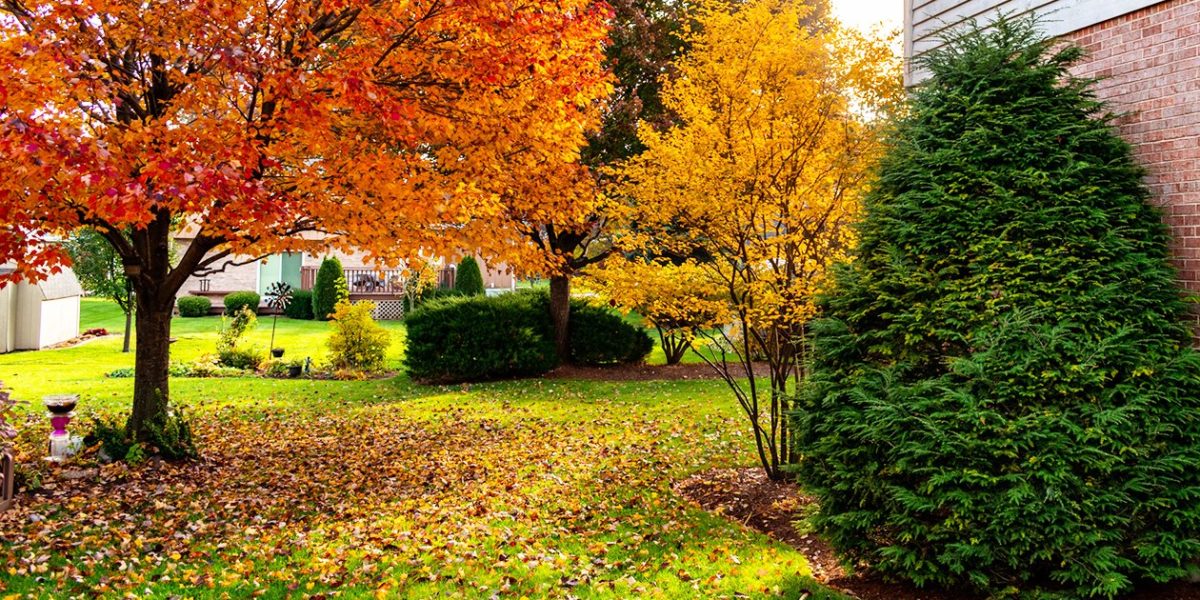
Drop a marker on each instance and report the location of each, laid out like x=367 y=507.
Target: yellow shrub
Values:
x=358 y=343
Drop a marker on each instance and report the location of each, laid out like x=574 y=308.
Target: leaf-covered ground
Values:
x=389 y=489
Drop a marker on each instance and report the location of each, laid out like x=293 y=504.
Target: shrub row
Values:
x=479 y=338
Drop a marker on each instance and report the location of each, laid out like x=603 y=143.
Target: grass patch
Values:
x=538 y=488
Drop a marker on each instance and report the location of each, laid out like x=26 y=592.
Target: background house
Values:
x=37 y=315
x=366 y=280
x=1148 y=56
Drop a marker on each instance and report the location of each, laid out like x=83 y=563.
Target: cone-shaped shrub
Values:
x=329 y=288
x=1003 y=394
x=469 y=280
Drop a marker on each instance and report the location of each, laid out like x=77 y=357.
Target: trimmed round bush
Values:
x=468 y=279
x=600 y=336
x=477 y=338
x=236 y=300
x=301 y=306
x=1003 y=394
x=329 y=287
x=194 y=306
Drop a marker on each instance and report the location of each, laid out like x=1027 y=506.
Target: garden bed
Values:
x=643 y=372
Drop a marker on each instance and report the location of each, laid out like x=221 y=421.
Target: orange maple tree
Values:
x=389 y=126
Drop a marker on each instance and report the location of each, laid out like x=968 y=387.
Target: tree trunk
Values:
x=150 y=379
x=128 y=330
x=560 y=315
x=128 y=318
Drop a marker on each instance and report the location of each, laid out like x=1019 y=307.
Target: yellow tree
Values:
x=762 y=176
x=676 y=299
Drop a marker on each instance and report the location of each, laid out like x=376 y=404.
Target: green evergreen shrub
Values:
x=246 y=359
x=468 y=279
x=170 y=436
x=301 y=306
x=109 y=434
x=236 y=300
x=476 y=338
x=600 y=336
x=358 y=342
x=430 y=293
x=329 y=288
x=194 y=306
x=1003 y=394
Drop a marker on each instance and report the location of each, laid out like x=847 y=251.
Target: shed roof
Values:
x=60 y=285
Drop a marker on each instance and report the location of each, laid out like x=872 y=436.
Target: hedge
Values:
x=301 y=306
x=600 y=336
x=194 y=306
x=236 y=300
x=477 y=338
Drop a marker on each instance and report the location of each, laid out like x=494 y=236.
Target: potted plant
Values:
x=279 y=296
x=295 y=368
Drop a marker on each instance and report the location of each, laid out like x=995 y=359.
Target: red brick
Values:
x=1150 y=62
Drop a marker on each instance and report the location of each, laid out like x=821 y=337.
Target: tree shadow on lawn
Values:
x=366 y=500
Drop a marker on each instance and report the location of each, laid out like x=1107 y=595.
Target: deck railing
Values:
x=374 y=282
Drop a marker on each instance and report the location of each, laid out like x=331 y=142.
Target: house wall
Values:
x=926 y=21
x=59 y=321
x=232 y=279
x=1150 y=64
x=246 y=277
x=496 y=278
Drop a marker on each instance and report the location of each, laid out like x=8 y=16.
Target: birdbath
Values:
x=60 y=408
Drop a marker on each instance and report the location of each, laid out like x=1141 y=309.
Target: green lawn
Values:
x=385 y=488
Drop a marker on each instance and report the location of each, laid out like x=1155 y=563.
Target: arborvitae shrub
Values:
x=301 y=306
x=599 y=336
x=468 y=280
x=329 y=287
x=235 y=301
x=194 y=306
x=1003 y=394
x=476 y=338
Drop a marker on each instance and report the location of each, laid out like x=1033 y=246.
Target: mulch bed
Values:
x=643 y=372
x=84 y=338
x=748 y=497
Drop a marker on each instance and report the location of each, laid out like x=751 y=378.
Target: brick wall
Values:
x=1150 y=62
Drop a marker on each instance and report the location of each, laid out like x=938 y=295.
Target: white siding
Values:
x=7 y=331
x=60 y=321
x=926 y=21
x=28 y=317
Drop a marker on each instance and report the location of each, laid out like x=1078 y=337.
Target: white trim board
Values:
x=925 y=21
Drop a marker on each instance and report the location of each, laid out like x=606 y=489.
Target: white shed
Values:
x=37 y=315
